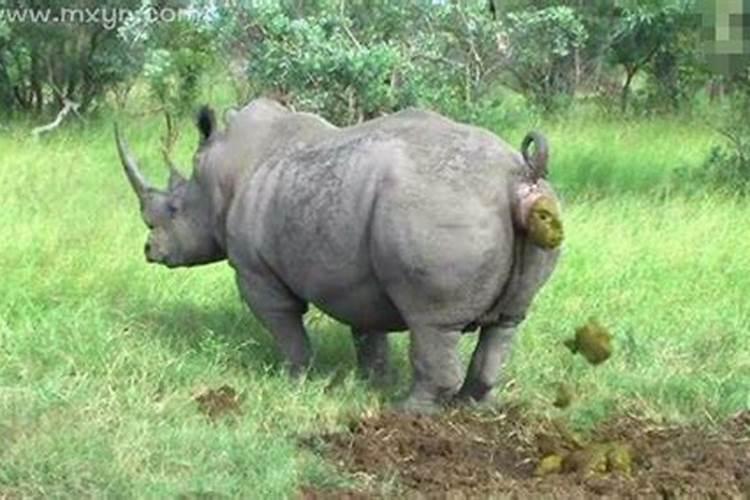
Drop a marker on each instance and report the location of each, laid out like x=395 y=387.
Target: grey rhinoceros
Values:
x=407 y=221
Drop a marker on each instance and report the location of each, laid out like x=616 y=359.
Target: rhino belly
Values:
x=361 y=304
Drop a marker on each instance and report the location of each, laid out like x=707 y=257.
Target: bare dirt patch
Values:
x=217 y=403
x=308 y=493
x=467 y=455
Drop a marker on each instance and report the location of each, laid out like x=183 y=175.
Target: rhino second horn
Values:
x=175 y=178
x=140 y=186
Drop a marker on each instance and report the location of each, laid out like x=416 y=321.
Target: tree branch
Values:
x=67 y=108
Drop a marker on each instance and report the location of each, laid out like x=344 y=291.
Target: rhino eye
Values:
x=171 y=209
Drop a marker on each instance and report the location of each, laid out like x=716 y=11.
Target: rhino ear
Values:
x=206 y=122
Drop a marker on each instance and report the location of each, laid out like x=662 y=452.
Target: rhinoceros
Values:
x=405 y=222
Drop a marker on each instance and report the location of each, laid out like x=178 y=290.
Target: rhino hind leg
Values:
x=532 y=268
x=373 y=356
x=486 y=362
x=436 y=367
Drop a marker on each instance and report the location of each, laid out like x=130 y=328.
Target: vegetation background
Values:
x=101 y=356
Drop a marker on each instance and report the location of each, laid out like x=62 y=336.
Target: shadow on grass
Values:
x=231 y=335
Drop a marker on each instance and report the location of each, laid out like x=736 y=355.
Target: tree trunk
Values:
x=21 y=97
x=577 y=62
x=492 y=8
x=36 y=84
x=38 y=97
x=716 y=89
x=6 y=89
x=629 y=74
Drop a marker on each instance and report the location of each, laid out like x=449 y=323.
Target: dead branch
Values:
x=68 y=106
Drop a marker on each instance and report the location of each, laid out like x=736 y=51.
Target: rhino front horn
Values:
x=140 y=186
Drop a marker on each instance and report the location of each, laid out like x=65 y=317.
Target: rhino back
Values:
x=376 y=222
x=260 y=129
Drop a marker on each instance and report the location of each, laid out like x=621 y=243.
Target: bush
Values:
x=727 y=165
x=321 y=65
x=350 y=63
x=44 y=63
x=542 y=44
x=726 y=168
x=175 y=56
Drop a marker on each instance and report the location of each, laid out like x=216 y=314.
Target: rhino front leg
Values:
x=436 y=368
x=373 y=355
x=281 y=313
x=486 y=362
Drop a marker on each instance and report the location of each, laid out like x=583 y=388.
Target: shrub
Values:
x=44 y=63
x=541 y=48
x=350 y=63
x=727 y=165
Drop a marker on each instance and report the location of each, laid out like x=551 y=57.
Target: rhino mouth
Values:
x=153 y=256
x=162 y=260
x=152 y=260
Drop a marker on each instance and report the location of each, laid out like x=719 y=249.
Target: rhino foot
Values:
x=437 y=370
x=485 y=403
x=487 y=361
x=418 y=406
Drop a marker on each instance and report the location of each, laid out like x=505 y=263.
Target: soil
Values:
x=218 y=403
x=475 y=455
x=309 y=493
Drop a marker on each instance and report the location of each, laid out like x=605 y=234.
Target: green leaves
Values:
x=558 y=28
x=541 y=45
x=322 y=62
x=177 y=55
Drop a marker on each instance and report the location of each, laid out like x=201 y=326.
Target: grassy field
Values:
x=101 y=354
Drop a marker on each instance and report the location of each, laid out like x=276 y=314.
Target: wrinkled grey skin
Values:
x=402 y=222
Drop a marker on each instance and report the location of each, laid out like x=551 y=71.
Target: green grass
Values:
x=101 y=354
x=615 y=157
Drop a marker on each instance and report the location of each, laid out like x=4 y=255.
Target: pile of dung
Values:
x=217 y=403
x=466 y=455
x=462 y=454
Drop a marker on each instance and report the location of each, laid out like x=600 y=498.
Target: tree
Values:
x=642 y=32
x=42 y=64
x=540 y=52
x=176 y=55
x=339 y=59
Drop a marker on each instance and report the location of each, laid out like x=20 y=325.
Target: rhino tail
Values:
x=537 y=164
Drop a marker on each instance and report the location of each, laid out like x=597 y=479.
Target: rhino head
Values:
x=181 y=218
